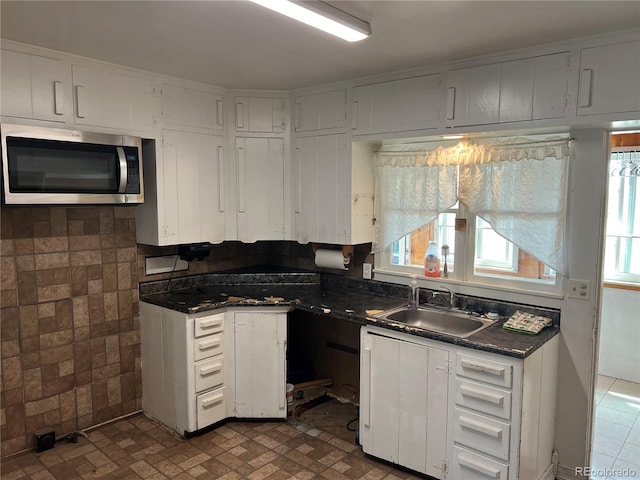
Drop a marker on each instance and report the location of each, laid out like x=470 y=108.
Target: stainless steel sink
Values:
x=450 y=322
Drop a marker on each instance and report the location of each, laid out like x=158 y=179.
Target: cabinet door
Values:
x=113 y=100
x=35 y=87
x=193 y=172
x=323 y=190
x=473 y=96
x=534 y=88
x=260 y=163
x=404 y=406
x=259 y=115
x=16 y=84
x=260 y=365
x=609 y=79
x=320 y=111
x=396 y=106
x=187 y=107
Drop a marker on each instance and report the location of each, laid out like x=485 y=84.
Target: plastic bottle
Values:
x=432 y=261
x=414 y=293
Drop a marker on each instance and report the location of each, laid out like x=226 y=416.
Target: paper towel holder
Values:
x=347 y=250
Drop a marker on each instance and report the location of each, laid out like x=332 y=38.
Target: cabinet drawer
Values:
x=489 y=371
x=210 y=407
x=483 y=398
x=208 y=346
x=209 y=324
x=482 y=433
x=209 y=373
x=471 y=466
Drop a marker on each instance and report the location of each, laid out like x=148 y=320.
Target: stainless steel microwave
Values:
x=54 y=166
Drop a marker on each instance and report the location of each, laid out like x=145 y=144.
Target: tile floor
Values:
x=616 y=442
x=137 y=448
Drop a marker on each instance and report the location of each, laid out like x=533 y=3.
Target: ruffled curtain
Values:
x=517 y=185
x=413 y=184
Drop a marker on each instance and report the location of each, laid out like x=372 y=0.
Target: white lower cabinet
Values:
x=454 y=412
x=199 y=369
x=260 y=365
x=403 y=402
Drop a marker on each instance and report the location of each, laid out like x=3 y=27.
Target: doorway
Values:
x=616 y=433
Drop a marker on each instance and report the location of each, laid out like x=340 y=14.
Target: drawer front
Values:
x=209 y=346
x=210 y=407
x=482 y=433
x=489 y=371
x=471 y=466
x=483 y=398
x=209 y=373
x=209 y=324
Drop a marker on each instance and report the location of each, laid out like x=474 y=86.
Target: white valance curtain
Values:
x=517 y=185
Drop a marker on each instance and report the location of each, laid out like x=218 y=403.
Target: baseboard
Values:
x=569 y=473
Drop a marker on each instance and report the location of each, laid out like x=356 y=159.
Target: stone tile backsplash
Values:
x=69 y=320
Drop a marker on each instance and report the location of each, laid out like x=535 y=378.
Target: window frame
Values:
x=625 y=278
x=464 y=270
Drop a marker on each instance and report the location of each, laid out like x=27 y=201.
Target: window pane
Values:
x=410 y=250
x=495 y=256
x=622 y=246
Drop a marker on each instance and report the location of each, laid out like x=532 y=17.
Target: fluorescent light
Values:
x=452 y=137
x=322 y=16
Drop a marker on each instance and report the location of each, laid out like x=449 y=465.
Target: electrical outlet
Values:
x=580 y=289
x=366 y=271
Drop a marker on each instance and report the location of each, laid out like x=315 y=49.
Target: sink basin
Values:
x=450 y=322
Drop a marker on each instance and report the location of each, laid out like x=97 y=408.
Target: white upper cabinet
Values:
x=260 y=115
x=521 y=90
x=333 y=192
x=114 y=100
x=191 y=108
x=193 y=188
x=397 y=106
x=534 y=88
x=473 y=96
x=320 y=111
x=609 y=79
x=260 y=193
x=35 y=87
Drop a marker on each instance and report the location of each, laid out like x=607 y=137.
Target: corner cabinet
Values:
x=199 y=369
x=320 y=111
x=260 y=340
x=260 y=192
x=455 y=412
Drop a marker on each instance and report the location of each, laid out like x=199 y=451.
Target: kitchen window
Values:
x=622 y=247
x=499 y=210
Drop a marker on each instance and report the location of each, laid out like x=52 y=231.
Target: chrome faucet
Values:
x=452 y=296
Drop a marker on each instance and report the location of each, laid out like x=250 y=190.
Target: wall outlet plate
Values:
x=580 y=289
x=366 y=271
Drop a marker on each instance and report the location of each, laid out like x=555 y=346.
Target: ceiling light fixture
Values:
x=322 y=16
x=452 y=137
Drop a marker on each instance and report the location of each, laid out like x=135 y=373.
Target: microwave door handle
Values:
x=123 y=169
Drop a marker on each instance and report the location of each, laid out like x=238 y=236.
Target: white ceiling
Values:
x=237 y=44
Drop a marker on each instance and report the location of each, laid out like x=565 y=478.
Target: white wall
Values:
x=619 y=348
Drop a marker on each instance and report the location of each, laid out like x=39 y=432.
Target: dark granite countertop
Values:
x=339 y=297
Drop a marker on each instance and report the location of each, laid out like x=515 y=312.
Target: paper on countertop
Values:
x=526 y=323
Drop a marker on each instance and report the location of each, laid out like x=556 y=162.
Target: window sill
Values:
x=621 y=285
x=465 y=287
